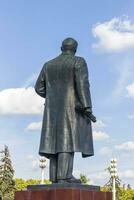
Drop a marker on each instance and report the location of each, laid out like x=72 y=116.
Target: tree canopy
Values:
x=7 y=183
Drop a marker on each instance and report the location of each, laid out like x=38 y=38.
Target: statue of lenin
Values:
x=66 y=128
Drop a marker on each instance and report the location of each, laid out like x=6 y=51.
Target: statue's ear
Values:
x=61 y=48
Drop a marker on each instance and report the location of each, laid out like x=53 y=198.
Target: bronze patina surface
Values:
x=63 y=82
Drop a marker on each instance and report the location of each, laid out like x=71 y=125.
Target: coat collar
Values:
x=68 y=53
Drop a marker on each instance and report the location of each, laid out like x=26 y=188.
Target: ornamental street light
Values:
x=113 y=172
x=42 y=165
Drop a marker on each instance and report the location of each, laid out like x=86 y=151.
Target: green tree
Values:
x=84 y=179
x=22 y=184
x=32 y=182
x=7 y=183
x=122 y=194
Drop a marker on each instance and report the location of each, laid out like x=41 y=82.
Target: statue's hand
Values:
x=89 y=114
x=86 y=112
x=93 y=118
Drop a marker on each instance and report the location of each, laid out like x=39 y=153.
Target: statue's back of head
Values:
x=69 y=44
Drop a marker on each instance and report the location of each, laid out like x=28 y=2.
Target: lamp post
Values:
x=113 y=171
x=42 y=165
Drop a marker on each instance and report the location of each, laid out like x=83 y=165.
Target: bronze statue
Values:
x=63 y=82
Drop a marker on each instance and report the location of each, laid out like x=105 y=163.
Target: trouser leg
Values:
x=53 y=168
x=65 y=165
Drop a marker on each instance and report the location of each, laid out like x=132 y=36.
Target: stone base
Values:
x=65 y=193
x=64 y=186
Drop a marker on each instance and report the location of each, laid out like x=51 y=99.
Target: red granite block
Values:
x=100 y=196
x=109 y=195
x=86 y=195
x=43 y=195
x=23 y=195
x=62 y=194
x=75 y=194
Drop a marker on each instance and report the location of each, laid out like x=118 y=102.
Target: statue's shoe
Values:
x=70 y=180
x=73 y=180
x=54 y=182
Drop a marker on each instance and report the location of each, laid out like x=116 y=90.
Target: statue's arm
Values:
x=82 y=83
x=40 y=86
x=83 y=89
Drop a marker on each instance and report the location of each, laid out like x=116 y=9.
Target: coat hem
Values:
x=48 y=155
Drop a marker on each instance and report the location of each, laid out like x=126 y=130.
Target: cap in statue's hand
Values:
x=90 y=116
x=93 y=118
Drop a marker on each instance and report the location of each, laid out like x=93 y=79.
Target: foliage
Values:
x=7 y=183
x=47 y=182
x=21 y=184
x=126 y=194
x=84 y=179
x=123 y=194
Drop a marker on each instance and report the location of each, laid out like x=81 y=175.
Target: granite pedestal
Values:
x=63 y=192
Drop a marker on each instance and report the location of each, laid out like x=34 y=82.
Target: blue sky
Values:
x=31 y=33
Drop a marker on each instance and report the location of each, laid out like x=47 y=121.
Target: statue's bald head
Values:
x=69 y=44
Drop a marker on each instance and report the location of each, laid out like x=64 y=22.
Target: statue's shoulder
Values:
x=53 y=60
x=80 y=60
x=49 y=63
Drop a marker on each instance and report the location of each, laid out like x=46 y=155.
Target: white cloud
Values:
x=127 y=174
x=100 y=175
x=131 y=116
x=98 y=124
x=114 y=36
x=20 y=101
x=35 y=126
x=96 y=178
x=105 y=151
x=99 y=135
x=130 y=90
x=99 y=178
x=30 y=157
x=124 y=73
x=126 y=146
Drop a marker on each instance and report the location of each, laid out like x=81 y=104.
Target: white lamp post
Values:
x=42 y=165
x=113 y=171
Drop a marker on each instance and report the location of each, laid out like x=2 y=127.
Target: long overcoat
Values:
x=63 y=82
